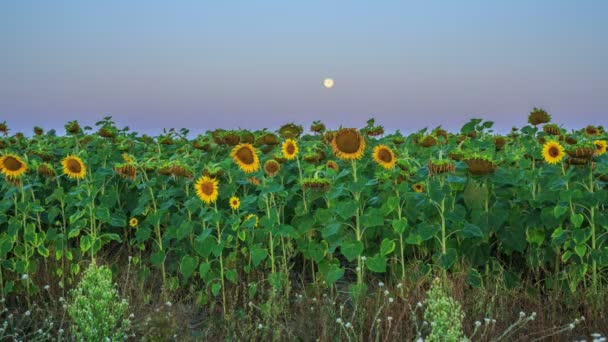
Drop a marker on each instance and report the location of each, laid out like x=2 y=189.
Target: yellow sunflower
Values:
x=418 y=187
x=12 y=166
x=235 y=203
x=253 y=216
x=290 y=149
x=348 y=144
x=73 y=167
x=553 y=152
x=600 y=146
x=246 y=157
x=133 y=222
x=384 y=156
x=207 y=189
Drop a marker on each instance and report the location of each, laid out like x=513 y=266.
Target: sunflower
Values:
x=384 y=156
x=12 y=166
x=246 y=157
x=332 y=165
x=272 y=167
x=73 y=167
x=133 y=222
x=348 y=144
x=553 y=152
x=207 y=189
x=290 y=149
x=235 y=203
x=600 y=146
x=418 y=187
x=46 y=170
x=253 y=216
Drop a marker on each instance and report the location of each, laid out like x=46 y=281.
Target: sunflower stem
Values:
x=219 y=241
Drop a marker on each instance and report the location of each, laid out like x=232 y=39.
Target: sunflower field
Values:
x=272 y=213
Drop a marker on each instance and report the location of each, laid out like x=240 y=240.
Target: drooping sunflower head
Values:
x=46 y=170
x=348 y=144
x=591 y=130
x=553 y=152
x=235 y=203
x=384 y=156
x=272 y=167
x=290 y=149
x=600 y=146
x=12 y=166
x=73 y=167
x=126 y=171
x=246 y=157
x=418 y=187
x=133 y=222
x=332 y=165
x=207 y=189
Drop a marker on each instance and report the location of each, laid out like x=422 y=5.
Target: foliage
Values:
x=95 y=308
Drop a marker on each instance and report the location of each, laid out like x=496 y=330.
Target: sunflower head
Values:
x=600 y=146
x=38 y=131
x=290 y=131
x=348 y=144
x=428 y=141
x=12 y=166
x=126 y=171
x=591 y=130
x=246 y=157
x=418 y=187
x=289 y=149
x=73 y=167
x=316 y=184
x=272 y=167
x=133 y=222
x=235 y=203
x=73 y=127
x=500 y=142
x=254 y=181
x=207 y=189
x=332 y=165
x=317 y=127
x=46 y=170
x=538 y=116
x=3 y=128
x=384 y=156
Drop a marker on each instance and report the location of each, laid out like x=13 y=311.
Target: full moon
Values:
x=328 y=83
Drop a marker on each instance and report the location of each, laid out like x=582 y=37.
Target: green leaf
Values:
x=351 y=249
x=387 y=247
x=577 y=220
x=215 y=289
x=187 y=266
x=400 y=225
x=43 y=251
x=203 y=270
x=86 y=242
x=580 y=250
x=334 y=274
x=73 y=233
x=472 y=231
x=157 y=258
x=474 y=278
x=377 y=263
x=449 y=259
x=102 y=214
x=258 y=255
x=559 y=210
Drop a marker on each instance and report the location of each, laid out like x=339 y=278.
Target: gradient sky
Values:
x=255 y=64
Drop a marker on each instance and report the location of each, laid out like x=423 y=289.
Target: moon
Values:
x=328 y=83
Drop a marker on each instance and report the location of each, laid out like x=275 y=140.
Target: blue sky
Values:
x=255 y=64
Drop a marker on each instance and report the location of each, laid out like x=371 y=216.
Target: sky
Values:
x=256 y=64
